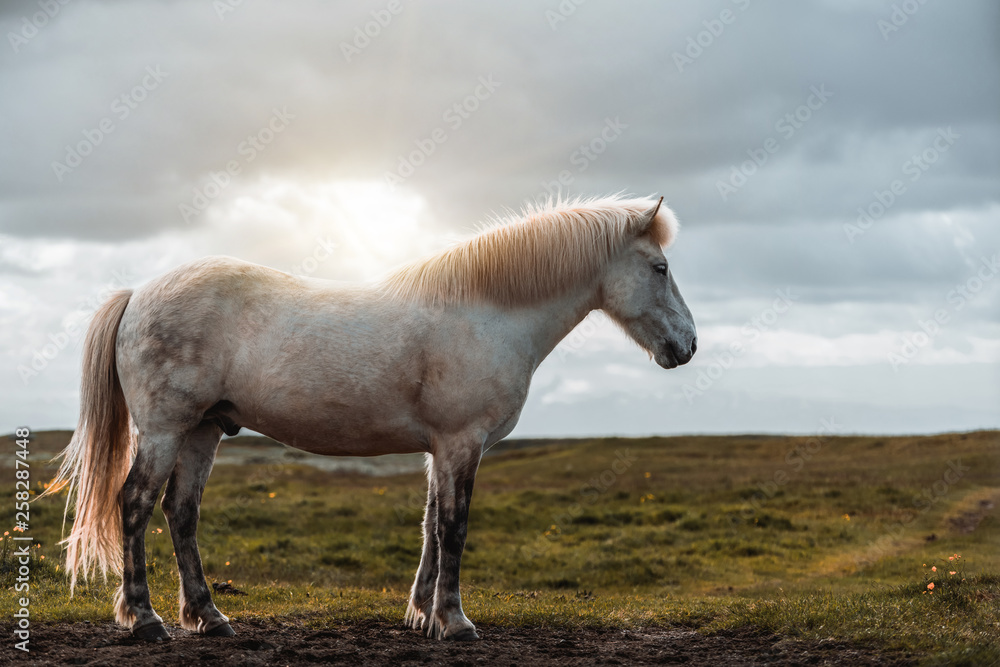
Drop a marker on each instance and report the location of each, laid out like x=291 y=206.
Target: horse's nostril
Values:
x=694 y=345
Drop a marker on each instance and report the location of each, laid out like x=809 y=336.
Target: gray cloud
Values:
x=680 y=133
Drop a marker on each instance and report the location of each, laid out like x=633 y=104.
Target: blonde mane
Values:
x=522 y=259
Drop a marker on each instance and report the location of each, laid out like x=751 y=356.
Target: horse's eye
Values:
x=660 y=268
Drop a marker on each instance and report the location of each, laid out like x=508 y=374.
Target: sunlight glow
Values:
x=354 y=230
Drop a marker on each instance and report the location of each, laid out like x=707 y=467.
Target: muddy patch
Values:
x=290 y=643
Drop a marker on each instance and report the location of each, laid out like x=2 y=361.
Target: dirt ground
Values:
x=273 y=643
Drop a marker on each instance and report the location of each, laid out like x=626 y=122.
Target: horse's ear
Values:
x=649 y=216
x=660 y=224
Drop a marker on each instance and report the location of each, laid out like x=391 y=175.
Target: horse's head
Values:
x=639 y=293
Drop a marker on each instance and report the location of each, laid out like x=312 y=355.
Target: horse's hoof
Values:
x=466 y=635
x=222 y=630
x=154 y=632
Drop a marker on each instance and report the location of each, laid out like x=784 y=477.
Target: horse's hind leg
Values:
x=181 y=502
x=422 y=594
x=153 y=463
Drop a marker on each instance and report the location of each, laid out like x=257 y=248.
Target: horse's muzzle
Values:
x=679 y=354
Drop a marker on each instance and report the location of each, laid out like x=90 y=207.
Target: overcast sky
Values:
x=835 y=166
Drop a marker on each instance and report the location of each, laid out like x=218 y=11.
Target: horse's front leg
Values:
x=454 y=471
x=422 y=594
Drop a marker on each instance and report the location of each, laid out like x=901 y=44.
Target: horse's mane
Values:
x=520 y=259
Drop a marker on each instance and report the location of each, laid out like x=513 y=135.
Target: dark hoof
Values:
x=220 y=631
x=154 y=632
x=467 y=635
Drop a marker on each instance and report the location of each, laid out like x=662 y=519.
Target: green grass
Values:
x=658 y=531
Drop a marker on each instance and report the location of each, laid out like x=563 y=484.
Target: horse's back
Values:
x=187 y=315
x=283 y=354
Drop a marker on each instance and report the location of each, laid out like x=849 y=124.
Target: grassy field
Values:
x=806 y=537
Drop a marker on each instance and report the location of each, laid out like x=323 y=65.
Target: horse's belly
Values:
x=339 y=433
x=336 y=444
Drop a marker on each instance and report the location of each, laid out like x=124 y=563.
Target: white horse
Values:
x=437 y=358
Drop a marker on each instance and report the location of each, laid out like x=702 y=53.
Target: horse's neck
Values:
x=553 y=319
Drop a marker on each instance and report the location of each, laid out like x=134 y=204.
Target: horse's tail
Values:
x=97 y=459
